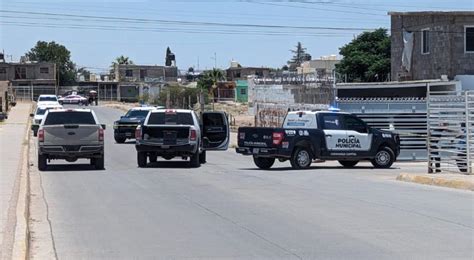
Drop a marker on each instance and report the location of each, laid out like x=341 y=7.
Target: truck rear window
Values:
x=137 y=113
x=48 y=99
x=170 y=119
x=70 y=118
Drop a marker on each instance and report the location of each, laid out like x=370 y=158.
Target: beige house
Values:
x=323 y=67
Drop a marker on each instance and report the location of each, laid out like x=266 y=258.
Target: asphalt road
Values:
x=229 y=209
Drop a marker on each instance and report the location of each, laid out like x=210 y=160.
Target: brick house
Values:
x=442 y=43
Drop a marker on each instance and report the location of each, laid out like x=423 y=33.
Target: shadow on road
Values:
x=315 y=168
x=70 y=168
x=169 y=164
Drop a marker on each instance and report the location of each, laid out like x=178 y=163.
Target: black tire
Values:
x=153 y=158
x=384 y=158
x=92 y=161
x=301 y=158
x=120 y=140
x=99 y=163
x=348 y=164
x=194 y=161
x=202 y=157
x=42 y=162
x=141 y=159
x=263 y=163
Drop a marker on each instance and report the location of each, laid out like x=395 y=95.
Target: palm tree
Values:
x=119 y=60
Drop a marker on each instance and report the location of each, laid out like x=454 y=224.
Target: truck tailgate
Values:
x=167 y=135
x=71 y=134
x=255 y=136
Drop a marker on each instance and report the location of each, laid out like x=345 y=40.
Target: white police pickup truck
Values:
x=309 y=135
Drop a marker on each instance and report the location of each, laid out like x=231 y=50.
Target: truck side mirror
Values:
x=32 y=115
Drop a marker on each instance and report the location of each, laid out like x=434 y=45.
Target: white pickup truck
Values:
x=70 y=134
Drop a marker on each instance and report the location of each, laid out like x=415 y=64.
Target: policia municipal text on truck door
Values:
x=309 y=135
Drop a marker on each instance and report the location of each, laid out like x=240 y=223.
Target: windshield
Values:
x=171 y=119
x=70 y=117
x=136 y=113
x=41 y=111
x=50 y=98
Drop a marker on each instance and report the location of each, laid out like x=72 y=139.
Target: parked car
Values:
x=309 y=135
x=124 y=128
x=47 y=100
x=180 y=133
x=39 y=114
x=70 y=134
x=73 y=99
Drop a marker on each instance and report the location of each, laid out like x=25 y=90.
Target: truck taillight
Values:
x=192 y=135
x=101 y=134
x=277 y=138
x=138 y=133
x=41 y=135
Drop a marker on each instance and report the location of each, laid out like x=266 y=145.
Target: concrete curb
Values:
x=437 y=181
x=22 y=232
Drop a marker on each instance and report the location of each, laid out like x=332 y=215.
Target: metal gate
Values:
x=450 y=131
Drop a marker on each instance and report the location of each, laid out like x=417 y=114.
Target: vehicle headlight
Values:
x=115 y=125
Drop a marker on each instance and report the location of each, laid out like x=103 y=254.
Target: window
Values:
x=354 y=124
x=331 y=122
x=3 y=70
x=128 y=73
x=170 y=119
x=44 y=70
x=70 y=118
x=143 y=74
x=425 y=41
x=469 y=39
x=20 y=73
x=48 y=98
x=137 y=113
x=243 y=91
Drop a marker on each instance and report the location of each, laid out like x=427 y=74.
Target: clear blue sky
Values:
x=94 y=41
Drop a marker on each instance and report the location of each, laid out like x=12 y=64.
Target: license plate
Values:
x=128 y=134
x=255 y=150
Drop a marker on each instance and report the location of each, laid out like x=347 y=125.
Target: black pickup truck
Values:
x=170 y=133
x=124 y=128
x=309 y=135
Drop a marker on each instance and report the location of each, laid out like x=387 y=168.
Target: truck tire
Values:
x=301 y=158
x=202 y=157
x=120 y=140
x=348 y=164
x=263 y=163
x=384 y=158
x=42 y=162
x=194 y=161
x=153 y=158
x=35 y=133
x=99 y=163
x=141 y=159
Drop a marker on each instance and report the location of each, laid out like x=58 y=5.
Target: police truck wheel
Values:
x=99 y=163
x=263 y=163
x=141 y=159
x=301 y=158
x=42 y=162
x=384 y=158
x=202 y=157
x=194 y=160
x=348 y=164
x=153 y=158
x=120 y=140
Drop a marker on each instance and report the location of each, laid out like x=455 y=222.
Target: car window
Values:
x=354 y=124
x=70 y=117
x=137 y=113
x=47 y=99
x=332 y=122
x=162 y=118
x=213 y=120
x=41 y=111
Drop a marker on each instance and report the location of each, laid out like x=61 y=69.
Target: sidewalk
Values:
x=450 y=180
x=12 y=134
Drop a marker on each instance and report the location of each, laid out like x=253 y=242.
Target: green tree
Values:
x=210 y=78
x=299 y=56
x=366 y=58
x=58 y=54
